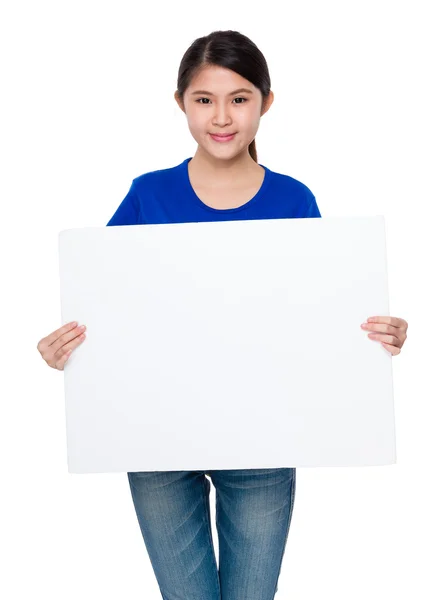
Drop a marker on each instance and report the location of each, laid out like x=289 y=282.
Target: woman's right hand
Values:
x=58 y=345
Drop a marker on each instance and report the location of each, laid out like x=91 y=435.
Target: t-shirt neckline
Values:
x=185 y=168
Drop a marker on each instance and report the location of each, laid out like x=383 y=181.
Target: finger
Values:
x=399 y=334
x=60 y=353
x=388 y=339
x=394 y=321
x=393 y=351
x=48 y=340
x=59 y=364
x=66 y=338
x=382 y=328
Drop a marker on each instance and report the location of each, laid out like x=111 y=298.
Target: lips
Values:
x=222 y=137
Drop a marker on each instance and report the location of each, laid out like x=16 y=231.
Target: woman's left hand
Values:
x=390 y=331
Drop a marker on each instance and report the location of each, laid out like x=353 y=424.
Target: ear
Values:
x=267 y=102
x=179 y=101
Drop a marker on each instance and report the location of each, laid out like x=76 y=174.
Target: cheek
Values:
x=195 y=122
x=249 y=120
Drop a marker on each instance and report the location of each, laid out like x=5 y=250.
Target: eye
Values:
x=238 y=98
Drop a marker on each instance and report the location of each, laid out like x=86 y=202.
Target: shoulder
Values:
x=290 y=184
x=296 y=193
x=157 y=177
x=143 y=188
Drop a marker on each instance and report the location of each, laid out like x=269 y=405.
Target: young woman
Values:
x=223 y=89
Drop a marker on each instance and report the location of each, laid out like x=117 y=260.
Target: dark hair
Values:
x=231 y=50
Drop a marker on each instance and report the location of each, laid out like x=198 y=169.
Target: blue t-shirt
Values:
x=167 y=196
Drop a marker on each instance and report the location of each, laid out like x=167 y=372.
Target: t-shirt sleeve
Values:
x=128 y=211
x=313 y=209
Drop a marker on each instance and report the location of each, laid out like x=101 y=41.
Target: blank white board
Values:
x=227 y=345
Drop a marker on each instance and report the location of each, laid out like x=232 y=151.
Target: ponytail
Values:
x=252 y=151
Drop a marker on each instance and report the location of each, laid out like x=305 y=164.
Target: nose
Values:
x=222 y=116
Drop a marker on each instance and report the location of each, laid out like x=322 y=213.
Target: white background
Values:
x=87 y=105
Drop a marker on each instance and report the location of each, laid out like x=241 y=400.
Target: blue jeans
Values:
x=253 y=515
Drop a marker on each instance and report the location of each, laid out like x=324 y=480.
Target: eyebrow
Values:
x=231 y=93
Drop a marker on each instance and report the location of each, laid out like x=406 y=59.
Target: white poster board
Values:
x=227 y=345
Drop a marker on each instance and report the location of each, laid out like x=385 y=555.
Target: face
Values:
x=211 y=108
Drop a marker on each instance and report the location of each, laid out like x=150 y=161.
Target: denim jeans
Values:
x=253 y=515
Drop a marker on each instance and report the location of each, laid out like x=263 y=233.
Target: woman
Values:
x=223 y=88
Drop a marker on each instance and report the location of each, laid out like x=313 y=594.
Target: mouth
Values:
x=222 y=137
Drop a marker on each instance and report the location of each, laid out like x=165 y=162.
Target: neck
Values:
x=208 y=168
